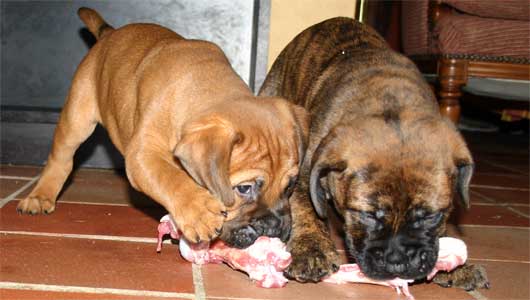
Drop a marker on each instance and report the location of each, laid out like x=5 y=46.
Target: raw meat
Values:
x=352 y=273
x=451 y=254
x=265 y=260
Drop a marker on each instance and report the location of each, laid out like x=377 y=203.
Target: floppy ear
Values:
x=464 y=166
x=464 y=172
x=204 y=151
x=325 y=160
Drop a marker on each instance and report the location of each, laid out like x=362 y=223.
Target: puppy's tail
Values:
x=94 y=22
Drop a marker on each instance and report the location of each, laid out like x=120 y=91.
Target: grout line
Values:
x=505 y=205
x=503 y=167
x=200 y=293
x=493 y=202
x=497 y=174
x=494 y=226
x=90 y=290
x=498 y=204
x=15 y=177
x=88 y=236
x=500 y=260
x=97 y=203
x=94 y=203
x=234 y=298
x=496 y=187
x=477 y=295
x=520 y=213
x=483 y=197
x=17 y=192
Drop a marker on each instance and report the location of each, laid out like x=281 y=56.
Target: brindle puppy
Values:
x=378 y=148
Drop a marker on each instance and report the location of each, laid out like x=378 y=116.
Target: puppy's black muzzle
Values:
x=398 y=256
x=271 y=225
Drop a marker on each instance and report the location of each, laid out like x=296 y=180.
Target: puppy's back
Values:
x=336 y=66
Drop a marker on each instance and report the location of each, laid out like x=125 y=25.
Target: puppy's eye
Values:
x=433 y=219
x=427 y=220
x=244 y=189
x=249 y=190
x=370 y=220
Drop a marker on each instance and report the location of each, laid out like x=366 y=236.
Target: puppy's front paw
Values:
x=467 y=277
x=36 y=205
x=201 y=219
x=313 y=257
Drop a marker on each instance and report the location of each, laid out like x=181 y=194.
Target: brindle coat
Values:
x=378 y=148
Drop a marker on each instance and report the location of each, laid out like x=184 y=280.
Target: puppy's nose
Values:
x=396 y=257
x=242 y=237
x=269 y=225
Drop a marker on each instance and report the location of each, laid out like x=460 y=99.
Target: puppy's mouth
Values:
x=390 y=265
x=243 y=236
x=393 y=258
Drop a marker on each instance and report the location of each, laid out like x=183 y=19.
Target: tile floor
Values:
x=100 y=243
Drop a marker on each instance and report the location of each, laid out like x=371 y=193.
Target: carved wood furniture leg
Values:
x=452 y=75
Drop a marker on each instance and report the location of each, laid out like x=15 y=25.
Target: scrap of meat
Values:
x=265 y=260
x=352 y=273
x=451 y=254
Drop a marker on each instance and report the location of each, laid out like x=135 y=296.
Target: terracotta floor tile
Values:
x=508 y=163
x=9 y=186
x=21 y=171
x=509 y=281
x=93 y=263
x=237 y=285
x=486 y=165
x=524 y=210
x=501 y=196
x=499 y=243
x=500 y=180
x=86 y=219
x=488 y=215
x=8 y=294
x=100 y=186
x=431 y=291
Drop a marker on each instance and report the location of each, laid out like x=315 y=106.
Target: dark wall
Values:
x=42 y=42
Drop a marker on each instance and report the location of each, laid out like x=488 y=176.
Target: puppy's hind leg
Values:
x=77 y=121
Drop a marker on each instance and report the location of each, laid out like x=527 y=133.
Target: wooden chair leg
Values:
x=452 y=75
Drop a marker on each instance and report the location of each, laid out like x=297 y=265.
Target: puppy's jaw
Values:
x=381 y=254
x=242 y=232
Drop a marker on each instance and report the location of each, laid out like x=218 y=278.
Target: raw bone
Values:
x=451 y=254
x=265 y=260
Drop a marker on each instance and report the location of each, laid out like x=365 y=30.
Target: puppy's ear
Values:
x=464 y=166
x=325 y=160
x=465 y=169
x=205 y=150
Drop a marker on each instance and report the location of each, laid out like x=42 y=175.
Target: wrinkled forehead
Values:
x=271 y=158
x=402 y=189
